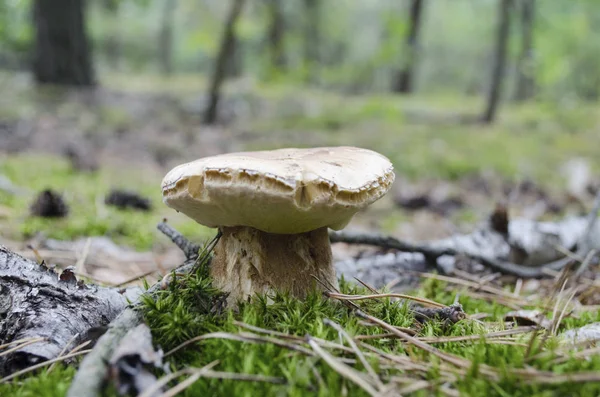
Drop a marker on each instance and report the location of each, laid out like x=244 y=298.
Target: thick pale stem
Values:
x=248 y=261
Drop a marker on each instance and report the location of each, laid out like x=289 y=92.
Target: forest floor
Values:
x=539 y=158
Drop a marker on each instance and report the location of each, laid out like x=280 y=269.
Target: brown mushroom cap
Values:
x=283 y=191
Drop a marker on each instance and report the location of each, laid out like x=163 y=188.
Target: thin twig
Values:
x=64 y=349
x=190 y=250
x=42 y=364
x=347 y=372
x=465 y=338
x=475 y=286
x=22 y=345
x=19 y=341
x=74 y=350
x=388 y=295
x=156 y=386
x=268 y=331
x=197 y=373
x=241 y=337
x=135 y=278
x=455 y=360
x=357 y=351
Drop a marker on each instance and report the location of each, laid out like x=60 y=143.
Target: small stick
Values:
x=42 y=364
x=242 y=337
x=18 y=341
x=344 y=370
x=189 y=249
x=149 y=392
x=390 y=295
x=22 y=345
x=135 y=278
x=357 y=351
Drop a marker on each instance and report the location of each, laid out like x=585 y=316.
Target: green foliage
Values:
x=176 y=317
x=15 y=31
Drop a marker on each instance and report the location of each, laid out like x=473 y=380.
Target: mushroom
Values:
x=273 y=209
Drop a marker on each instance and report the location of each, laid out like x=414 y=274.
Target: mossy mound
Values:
x=268 y=338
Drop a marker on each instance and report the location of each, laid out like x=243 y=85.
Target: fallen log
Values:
x=37 y=302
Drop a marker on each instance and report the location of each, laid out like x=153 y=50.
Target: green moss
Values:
x=43 y=384
x=175 y=317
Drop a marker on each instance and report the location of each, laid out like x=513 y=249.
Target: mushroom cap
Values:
x=284 y=191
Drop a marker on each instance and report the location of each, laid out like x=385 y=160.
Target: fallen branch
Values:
x=190 y=250
x=89 y=379
x=37 y=302
x=531 y=244
x=431 y=253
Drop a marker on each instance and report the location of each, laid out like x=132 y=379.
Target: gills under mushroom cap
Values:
x=283 y=191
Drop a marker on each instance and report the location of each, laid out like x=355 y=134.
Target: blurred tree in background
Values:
x=61 y=54
x=525 y=83
x=404 y=80
x=498 y=49
x=499 y=66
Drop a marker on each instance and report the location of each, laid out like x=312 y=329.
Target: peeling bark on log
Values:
x=35 y=302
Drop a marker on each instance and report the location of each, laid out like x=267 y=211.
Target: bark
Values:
x=404 y=82
x=499 y=65
x=276 y=33
x=165 y=38
x=62 y=54
x=35 y=302
x=225 y=51
x=525 y=73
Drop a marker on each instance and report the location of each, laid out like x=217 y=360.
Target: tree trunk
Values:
x=165 y=38
x=499 y=66
x=525 y=73
x=276 y=32
x=61 y=53
x=404 y=82
x=225 y=51
x=311 y=36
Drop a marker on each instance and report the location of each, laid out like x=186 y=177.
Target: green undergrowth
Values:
x=42 y=384
x=84 y=193
x=184 y=311
x=190 y=307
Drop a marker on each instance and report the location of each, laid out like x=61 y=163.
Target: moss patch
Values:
x=176 y=317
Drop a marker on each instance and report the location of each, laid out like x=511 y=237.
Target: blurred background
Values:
x=475 y=101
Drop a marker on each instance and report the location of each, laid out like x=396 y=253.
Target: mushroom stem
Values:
x=249 y=261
